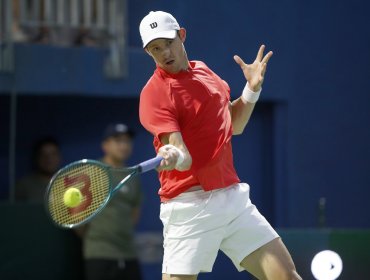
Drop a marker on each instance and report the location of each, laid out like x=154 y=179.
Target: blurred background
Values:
x=69 y=68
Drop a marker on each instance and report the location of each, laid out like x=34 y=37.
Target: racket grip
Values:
x=150 y=164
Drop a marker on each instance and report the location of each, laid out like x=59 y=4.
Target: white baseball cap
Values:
x=157 y=25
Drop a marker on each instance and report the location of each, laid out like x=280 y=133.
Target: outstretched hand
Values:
x=255 y=72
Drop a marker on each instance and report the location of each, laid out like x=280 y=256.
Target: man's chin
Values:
x=171 y=68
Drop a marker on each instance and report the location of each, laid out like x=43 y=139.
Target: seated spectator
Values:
x=46 y=159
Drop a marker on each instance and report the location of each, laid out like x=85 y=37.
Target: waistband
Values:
x=199 y=194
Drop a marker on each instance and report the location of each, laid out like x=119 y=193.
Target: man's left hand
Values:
x=255 y=72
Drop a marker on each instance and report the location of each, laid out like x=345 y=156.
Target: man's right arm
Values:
x=158 y=114
x=173 y=146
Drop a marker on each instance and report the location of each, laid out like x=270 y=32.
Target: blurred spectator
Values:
x=46 y=159
x=40 y=26
x=108 y=240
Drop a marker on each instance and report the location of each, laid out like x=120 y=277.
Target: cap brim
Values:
x=170 y=34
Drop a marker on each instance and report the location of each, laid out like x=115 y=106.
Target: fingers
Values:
x=264 y=62
x=169 y=157
x=258 y=67
x=168 y=163
x=239 y=61
x=263 y=70
x=267 y=57
x=260 y=53
x=259 y=57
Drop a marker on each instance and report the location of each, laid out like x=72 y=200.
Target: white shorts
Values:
x=198 y=224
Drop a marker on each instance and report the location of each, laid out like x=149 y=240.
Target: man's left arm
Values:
x=241 y=109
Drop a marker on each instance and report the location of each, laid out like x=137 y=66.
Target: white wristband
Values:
x=180 y=158
x=250 y=96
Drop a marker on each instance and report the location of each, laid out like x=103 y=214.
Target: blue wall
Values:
x=316 y=93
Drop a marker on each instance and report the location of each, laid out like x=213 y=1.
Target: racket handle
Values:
x=150 y=164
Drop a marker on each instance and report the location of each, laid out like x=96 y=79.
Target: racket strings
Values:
x=93 y=182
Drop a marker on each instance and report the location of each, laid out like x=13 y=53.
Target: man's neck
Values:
x=186 y=66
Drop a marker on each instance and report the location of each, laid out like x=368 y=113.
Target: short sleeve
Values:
x=226 y=85
x=157 y=111
x=222 y=83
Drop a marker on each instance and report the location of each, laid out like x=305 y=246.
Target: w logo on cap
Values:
x=157 y=25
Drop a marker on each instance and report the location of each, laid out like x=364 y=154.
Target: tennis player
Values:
x=205 y=207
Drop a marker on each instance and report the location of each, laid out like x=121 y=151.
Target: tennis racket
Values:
x=96 y=182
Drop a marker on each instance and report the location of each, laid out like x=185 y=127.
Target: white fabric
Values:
x=250 y=96
x=157 y=25
x=197 y=224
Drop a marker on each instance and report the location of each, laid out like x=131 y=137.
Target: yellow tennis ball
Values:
x=72 y=197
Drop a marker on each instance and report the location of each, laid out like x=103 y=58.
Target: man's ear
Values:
x=182 y=34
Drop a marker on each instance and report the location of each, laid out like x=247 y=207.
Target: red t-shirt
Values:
x=196 y=103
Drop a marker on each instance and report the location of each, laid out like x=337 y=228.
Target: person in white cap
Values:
x=205 y=207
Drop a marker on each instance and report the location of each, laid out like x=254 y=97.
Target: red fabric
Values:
x=196 y=103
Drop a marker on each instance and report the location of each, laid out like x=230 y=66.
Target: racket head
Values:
x=92 y=178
